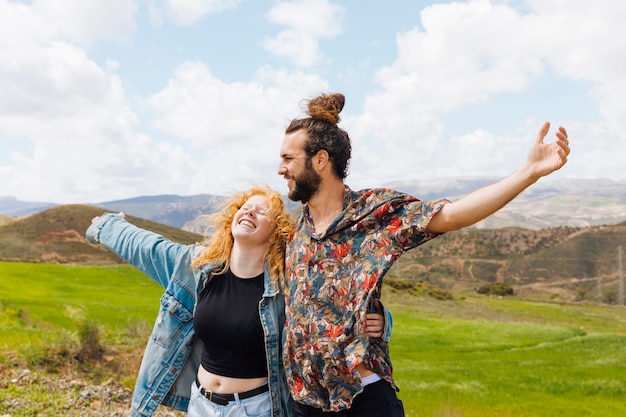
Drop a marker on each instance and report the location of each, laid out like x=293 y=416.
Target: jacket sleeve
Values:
x=388 y=323
x=149 y=252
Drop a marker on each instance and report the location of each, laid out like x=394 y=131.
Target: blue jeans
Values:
x=377 y=400
x=257 y=406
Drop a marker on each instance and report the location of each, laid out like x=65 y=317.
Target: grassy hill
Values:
x=563 y=262
x=476 y=356
x=57 y=235
x=5 y=220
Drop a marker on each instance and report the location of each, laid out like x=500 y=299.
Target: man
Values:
x=344 y=243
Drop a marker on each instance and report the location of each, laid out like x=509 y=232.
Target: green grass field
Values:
x=37 y=300
x=509 y=357
x=473 y=356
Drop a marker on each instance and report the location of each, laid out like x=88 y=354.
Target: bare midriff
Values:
x=226 y=385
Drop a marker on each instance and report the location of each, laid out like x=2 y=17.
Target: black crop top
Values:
x=228 y=323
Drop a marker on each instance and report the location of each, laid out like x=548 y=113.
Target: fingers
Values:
x=562 y=140
x=375 y=320
x=374 y=317
x=375 y=324
x=561 y=135
x=563 y=143
x=374 y=335
x=543 y=132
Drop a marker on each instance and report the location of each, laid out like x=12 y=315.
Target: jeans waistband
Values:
x=224 y=399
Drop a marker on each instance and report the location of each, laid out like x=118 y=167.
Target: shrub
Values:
x=89 y=338
x=418 y=288
x=610 y=297
x=440 y=294
x=496 y=288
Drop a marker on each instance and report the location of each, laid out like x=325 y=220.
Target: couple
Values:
x=322 y=280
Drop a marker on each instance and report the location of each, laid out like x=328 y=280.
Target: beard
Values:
x=306 y=184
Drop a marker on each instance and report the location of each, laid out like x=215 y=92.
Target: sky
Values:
x=104 y=100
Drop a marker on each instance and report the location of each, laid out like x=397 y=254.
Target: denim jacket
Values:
x=172 y=356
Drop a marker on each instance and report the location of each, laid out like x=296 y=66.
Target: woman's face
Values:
x=251 y=224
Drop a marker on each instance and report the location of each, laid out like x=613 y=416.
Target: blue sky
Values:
x=112 y=99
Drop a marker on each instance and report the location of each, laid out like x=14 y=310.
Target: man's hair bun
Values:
x=327 y=107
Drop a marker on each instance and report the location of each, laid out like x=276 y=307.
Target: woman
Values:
x=215 y=348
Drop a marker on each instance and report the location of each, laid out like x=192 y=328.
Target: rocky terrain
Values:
x=69 y=395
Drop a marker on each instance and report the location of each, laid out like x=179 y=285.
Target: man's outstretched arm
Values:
x=543 y=159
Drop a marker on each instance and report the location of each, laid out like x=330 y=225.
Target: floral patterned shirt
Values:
x=332 y=279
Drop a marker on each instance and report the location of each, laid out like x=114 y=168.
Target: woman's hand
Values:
x=375 y=322
x=120 y=214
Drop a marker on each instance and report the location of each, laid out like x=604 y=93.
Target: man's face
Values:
x=296 y=167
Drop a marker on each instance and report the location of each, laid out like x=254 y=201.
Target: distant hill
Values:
x=548 y=203
x=567 y=263
x=182 y=212
x=12 y=207
x=57 y=235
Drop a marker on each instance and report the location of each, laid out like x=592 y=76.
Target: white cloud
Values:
x=205 y=111
x=19 y=24
x=588 y=47
x=307 y=22
x=466 y=53
x=234 y=128
x=187 y=12
x=73 y=118
x=84 y=146
x=459 y=57
x=83 y=21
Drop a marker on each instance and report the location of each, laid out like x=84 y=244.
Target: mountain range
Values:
x=548 y=203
